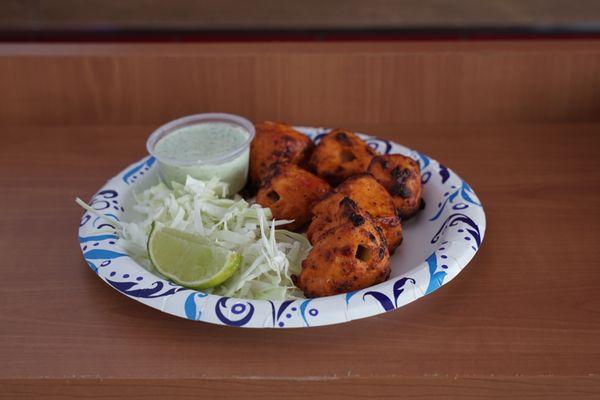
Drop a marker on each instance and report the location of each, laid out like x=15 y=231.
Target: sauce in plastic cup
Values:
x=204 y=146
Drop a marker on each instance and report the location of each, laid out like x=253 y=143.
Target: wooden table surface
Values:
x=521 y=321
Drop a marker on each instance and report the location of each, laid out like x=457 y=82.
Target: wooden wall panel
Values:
x=355 y=83
x=89 y=15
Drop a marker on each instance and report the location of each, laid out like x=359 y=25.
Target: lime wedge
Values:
x=190 y=260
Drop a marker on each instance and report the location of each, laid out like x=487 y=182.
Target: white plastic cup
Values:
x=230 y=167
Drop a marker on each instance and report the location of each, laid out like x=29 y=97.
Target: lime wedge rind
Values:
x=190 y=260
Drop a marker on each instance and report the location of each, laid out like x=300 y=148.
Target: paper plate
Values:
x=438 y=244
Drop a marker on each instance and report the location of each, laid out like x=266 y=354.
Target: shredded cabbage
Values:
x=270 y=255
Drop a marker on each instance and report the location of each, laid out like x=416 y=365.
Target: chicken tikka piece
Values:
x=401 y=176
x=339 y=155
x=290 y=192
x=349 y=254
x=370 y=196
x=276 y=142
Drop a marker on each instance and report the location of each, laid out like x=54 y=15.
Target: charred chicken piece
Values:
x=350 y=254
x=290 y=192
x=276 y=142
x=370 y=196
x=401 y=176
x=339 y=155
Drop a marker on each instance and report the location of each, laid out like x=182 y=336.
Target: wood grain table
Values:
x=521 y=321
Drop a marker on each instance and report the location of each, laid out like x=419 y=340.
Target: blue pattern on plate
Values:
x=383 y=299
x=96 y=238
x=386 y=302
x=242 y=311
x=349 y=295
x=192 y=311
x=465 y=192
x=380 y=145
x=101 y=254
x=312 y=312
x=453 y=221
x=133 y=289
x=436 y=278
x=277 y=314
x=133 y=173
x=424 y=161
x=444 y=173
